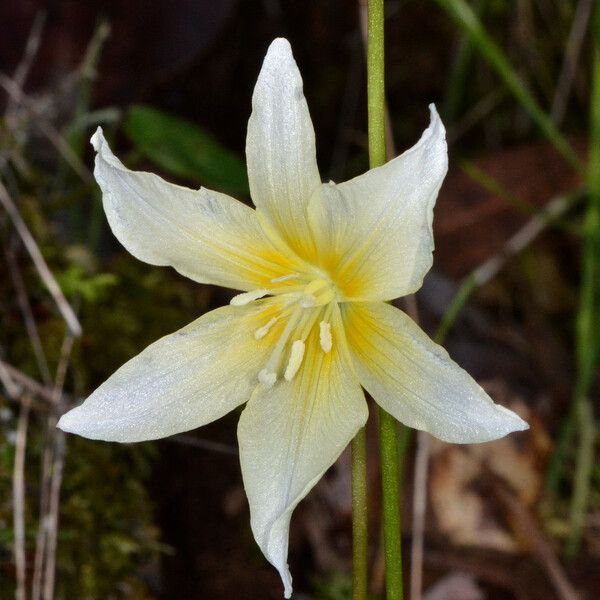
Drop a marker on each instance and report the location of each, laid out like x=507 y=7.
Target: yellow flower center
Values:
x=302 y=310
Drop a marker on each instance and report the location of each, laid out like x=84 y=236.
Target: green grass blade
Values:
x=589 y=311
x=470 y=23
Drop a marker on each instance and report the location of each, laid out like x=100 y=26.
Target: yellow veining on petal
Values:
x=356 y=327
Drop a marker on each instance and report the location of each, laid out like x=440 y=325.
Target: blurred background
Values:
x=513 y=293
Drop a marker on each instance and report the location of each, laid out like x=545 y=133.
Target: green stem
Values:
x=388 y=433
x=588 y=317
x=376 y=84
x=390 y=477
x=359 y=516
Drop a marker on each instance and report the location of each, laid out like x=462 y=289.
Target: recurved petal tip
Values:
x=286 y=578
x=97 y=139
x=436 y=125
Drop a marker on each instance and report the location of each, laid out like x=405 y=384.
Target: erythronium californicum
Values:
x=317 y=264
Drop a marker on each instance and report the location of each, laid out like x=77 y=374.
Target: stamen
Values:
x=284 y=278
x=247 y=297
x=325 y=338
x=296 y=356
x=268 y=375
x=262 y=331
x=267 y=378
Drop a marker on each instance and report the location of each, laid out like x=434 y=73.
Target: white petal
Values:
x=415 y=380
x=290 y=434
x=182 y=381
x=374 y=232
x=207 y=236
x=280 y=148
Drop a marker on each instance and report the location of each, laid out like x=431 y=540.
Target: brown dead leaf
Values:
x=461 y=507
x=471 y=224
x=455 y=586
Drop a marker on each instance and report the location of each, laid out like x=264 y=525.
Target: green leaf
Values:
x=74 y=281
x=185 y=150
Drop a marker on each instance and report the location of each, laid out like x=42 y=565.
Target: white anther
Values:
x=267 y=378
x=262 y=331
x=296 y=356
x=284 y=278
x=247 y=297
x=325 y=338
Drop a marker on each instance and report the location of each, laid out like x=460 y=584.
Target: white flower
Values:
x=317 y=263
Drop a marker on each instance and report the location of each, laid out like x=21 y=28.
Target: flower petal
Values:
x=280 y=148
x=207 y=236
x=290 y=434
x=182 y=381
x=415 y=380
x=375 y=231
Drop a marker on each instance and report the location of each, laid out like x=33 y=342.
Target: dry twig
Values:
x=51 y=133
x=22 y=70
x=51 y=521
x=27 y=312
x=21 y=380
x=419 y=511
x=18 y=483
x=40 y=264
x=52 y=471
x=40 y=539
x=540 y=547
x=571 y=58
x=6 y=377
x=19 y=501
x=521 y=239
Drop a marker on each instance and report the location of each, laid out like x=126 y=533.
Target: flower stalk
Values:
x=359 y=516
x=390 y=479
x=388 y=431
x=376 y=84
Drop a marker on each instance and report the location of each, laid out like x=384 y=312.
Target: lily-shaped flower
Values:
x=317 y=264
